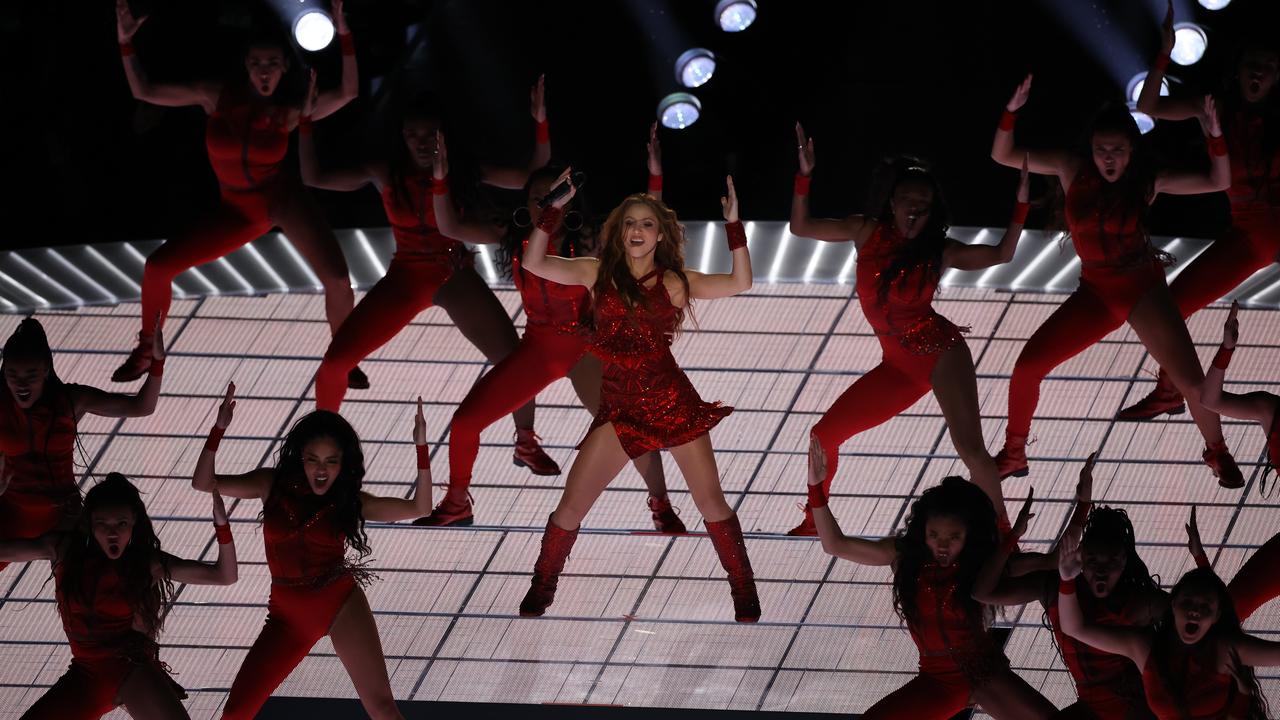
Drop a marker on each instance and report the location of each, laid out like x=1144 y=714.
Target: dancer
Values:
x=313 y=510
x=641 y=293
x=936 y=560
x=554 y=345
x=1109 y=186
x=1251 y=126
x=1196 y=662
x=427 y=269
x=38 y=418
x=113 y=586
x=247 y=138
x=903 y=250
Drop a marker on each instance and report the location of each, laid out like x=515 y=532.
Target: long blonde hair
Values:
x=668 y=256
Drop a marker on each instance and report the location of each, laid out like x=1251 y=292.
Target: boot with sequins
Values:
x=726 y=537
x=556 y=544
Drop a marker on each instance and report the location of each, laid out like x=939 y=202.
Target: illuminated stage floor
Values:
x=640 y=619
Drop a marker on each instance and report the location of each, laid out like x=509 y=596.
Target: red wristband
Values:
x=424 y=456
x=542 y=132
x=223 y=533
x=802 y=184
x=1020 y=213
x=304 y=124
x=737 y=235
x=1161 y=64
x=1223 y=358
x=126 y=49
x=655 y=183
x=440 y=186
x=549 y=220
x=157 y=367
x=1007 y=120
x=1217 y=146
x=348 y=44
x=817 y=496
x=215 y=437
x=1067 y=587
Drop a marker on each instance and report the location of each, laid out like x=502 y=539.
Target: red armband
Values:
x=737 y=235
x=440 y=186
x=215 y=437
x=1223 y=358
x=655 y=183
x=802 y=184
x=126 y=49
x=424 y=456
x=157 y=367
x=542 y=132
x=304 y=125
x=223 y=533
x=549 y=220
x=817 y=496
x=1161 y=64
x=1020 y=213
x=348 y=44
x=1217 y=145
x=1007 y=120
x=1067 y=587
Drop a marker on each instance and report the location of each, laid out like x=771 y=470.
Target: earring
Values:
x=521 y=217
x=572 y=221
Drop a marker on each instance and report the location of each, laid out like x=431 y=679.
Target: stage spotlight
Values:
x=679 y=110
x=1189 y=42
x=1214 y=4
x=313 y=30
x=1145 y=122
x=695 y=67
x=1135 y=86
x=735 y=15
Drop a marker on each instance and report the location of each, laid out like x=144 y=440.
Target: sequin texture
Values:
x=907 y=313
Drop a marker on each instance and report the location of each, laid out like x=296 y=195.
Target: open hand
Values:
x=1020 y=95
x=655 y=151
x=1193 y=538
x=227 y=408
x=126 y=24
x=729 y=203
x=1208 y=117
x=1069 y=562
x=1231 y=328
x=805 y=148
x=419 y=426
x=309 y=102
x=1024 y=516
x=538 y=99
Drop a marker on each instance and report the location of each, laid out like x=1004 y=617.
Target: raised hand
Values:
x=309 y=102
x=1231 y=328
x=440 y=163
x=419 y=426
x=219 y=509
x=538 y=99
x=1024 y=181
x=1084 y=486
x=1166 y=32
x=804 y=146
x=655 y=151
x=1208 y=117
x=339 y=20
x=227 y=408
x=1069 y=562
x=1020 y=95
x=729 y=203
x=126 y=24
x=1024 y=516
x=157 y=341
x=1193 y=538
x=564 y=178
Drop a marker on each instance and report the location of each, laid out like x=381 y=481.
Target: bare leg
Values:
x=698 y=465
x=599 y=460
x=955 y=386
x=585 y=377
x=302 y=222
x=356 y=642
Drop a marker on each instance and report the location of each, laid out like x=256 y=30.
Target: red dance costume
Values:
x=644 y=393
x=423 y=261
x=555 y=339
x=38 y=445
x=955 y=657
x=912 y=337
x=1208 y=694
x=310 y=581
x=105 y=647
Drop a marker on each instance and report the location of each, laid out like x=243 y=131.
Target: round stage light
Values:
x=735 y=15
x=313 y=30
x=679 y=110
x=1214 y=4
x=1189 y=43
x=1135 y=86
x=695 y=67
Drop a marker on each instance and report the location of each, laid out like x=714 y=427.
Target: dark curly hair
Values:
x=573 y=242
x=1201 y=580
x=922 y=255
x=148 y=596
x=29 y=343
x=961 y=499
x=1108 y=526
x=344 y=494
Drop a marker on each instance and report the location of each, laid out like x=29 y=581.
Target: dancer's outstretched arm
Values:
x=1150 y=101
x=566 y=271
x=976 y=257
x=223 y=571
x=1219 y=175
x=1259 y=406
x=250 y=485
x=1041 y=162
x=86 y=399
x=330 y=101
x=393 y=509
x=704 y=286
x=168 y=94
x=854 y=227
x=995 y=586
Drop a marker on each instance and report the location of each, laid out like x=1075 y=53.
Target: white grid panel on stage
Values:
x=639 y=619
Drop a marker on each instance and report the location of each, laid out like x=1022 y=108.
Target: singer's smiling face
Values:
x=640 y=234
x=911 y=204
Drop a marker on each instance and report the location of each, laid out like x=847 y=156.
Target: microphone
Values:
x=578 y=179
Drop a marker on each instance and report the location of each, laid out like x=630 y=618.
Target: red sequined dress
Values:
x=644 y=393
x=951 y=647
x=905 y=318
x=304 y=544
x=1207 y=693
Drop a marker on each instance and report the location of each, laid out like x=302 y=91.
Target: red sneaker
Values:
x=529 y=453
x=1165 y=398
x=1224 y=467
x=136 y=365
x=451 y=512
x=357 y=380
x=1012 y=460
x=806 y=528
x=665 y=519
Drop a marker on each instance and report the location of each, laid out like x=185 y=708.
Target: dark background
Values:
x=84 y=162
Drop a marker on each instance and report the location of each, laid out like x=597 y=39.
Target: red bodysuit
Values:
x=1207 y=693
x=424 y=260
x=38 y=445
x=644 y=393
x=311 y=580
x=912 y=337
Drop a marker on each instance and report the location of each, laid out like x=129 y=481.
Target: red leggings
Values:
x=240 y=218
x=1252 y=243
x=1101 y=304
x=390 y=305
x=937 y=693
x=542 y=357
x=297 y=617
x=882 y=393
x=1258 y=581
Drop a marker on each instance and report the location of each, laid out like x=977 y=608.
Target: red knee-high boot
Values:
x=556 y=544
x=1165 y=398
x=726 y=537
